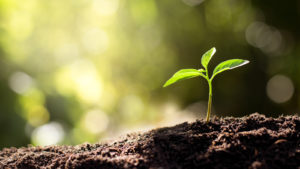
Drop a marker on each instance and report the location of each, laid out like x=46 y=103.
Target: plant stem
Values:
x=209 y=101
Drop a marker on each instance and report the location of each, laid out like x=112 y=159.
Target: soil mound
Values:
x=250 y=142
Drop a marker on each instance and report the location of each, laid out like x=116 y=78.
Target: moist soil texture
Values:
x=251 y=142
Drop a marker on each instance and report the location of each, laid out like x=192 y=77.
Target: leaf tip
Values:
x=207 y=56
x=214 y=49
x=166 y=84
x=245 y=62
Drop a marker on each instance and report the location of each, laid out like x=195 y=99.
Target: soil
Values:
x=252 y=142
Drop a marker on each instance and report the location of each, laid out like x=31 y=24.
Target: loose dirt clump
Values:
x=250 y=142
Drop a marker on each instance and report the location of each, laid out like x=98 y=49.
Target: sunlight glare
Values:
x=48 y=134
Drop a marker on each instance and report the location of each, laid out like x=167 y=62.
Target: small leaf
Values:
x=228 y=64
x=207 y=56
x=184 y=74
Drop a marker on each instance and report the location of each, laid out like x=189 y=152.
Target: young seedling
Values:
x=190 y=73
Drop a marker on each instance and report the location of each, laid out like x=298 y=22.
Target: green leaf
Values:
x=228 y=64
x=184 y=74
x=207 y=56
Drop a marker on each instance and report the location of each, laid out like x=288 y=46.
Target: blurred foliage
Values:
x=76 y=71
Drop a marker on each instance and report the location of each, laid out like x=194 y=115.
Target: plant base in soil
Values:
x=253 y=142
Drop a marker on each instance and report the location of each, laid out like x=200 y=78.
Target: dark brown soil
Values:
x=249 y=142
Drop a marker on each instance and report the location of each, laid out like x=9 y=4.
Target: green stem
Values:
x=209 y=101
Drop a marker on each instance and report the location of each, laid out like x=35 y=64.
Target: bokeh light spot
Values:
x=80 y=78
x=33 y=110
x=37 y=115
x=96 y=121
x=265 y=37
x=95 y=41
x=20 y=82
x=280 y=88
x=48 y=134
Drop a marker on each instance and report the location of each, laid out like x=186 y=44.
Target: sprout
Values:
x=190 y=73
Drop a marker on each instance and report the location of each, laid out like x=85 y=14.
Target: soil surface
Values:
x=249 y=142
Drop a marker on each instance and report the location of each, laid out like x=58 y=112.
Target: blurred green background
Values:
x=87 y=70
